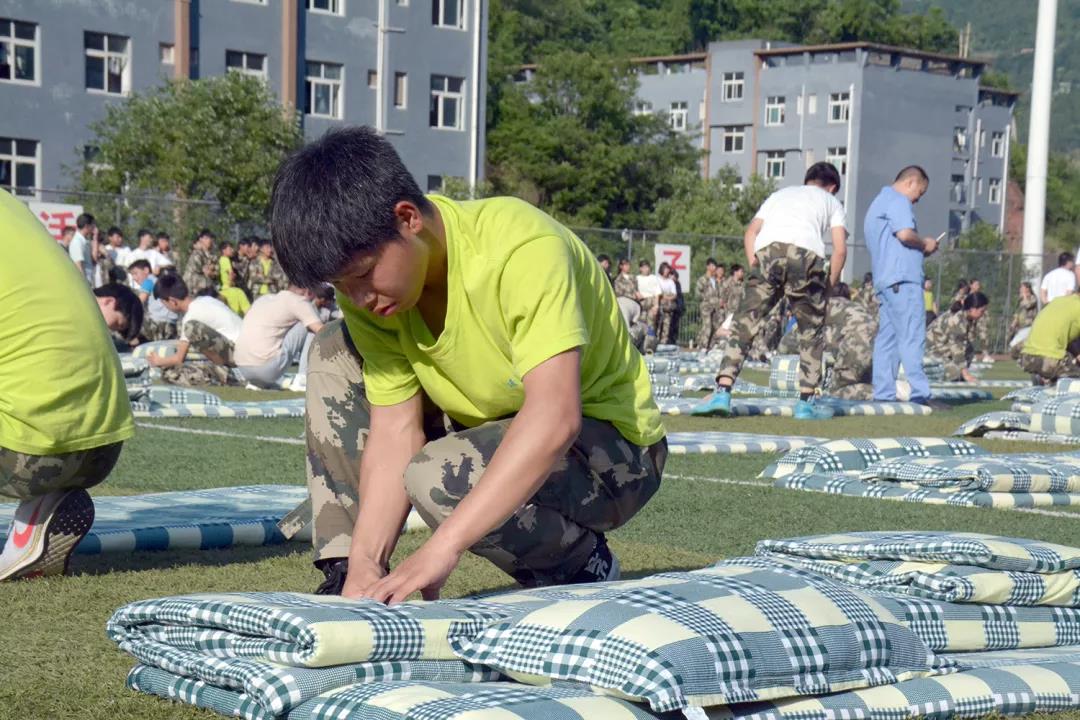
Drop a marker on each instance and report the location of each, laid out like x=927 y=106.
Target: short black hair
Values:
x=127 y=304
x=602 y=257
x=867 y=278
x=140 y=263
x=245 y=241
x=114 y=231
x=224 y=244
x=83 y=220
x=1028 y=286
x=117 y=275
x=710 y=261
x=163 y=236
x=962 y=284
x=170 y=286
x=842 y=290
x=205 y=232
x=324 y=292
x=643 y=262
x=335 y=198
x=735 y=267
x=912 y=171
x=1065 y=258
x=976 y=300
x=823 y=174
x=143 y=231
x=262 y=242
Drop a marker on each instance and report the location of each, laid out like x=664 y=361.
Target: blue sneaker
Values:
x=719 y=403
x=808 y=410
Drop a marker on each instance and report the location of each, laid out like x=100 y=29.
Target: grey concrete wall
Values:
x=666 y=88
x=736 y=56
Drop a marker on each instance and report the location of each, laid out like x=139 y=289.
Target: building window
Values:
x=108 y=66
x=166 y=53
x=448 y=13
x=401 y=89
x=322 y=89
x=678 y=116
x=731 y=89
x=839 y=107
x=774 y=110
x=811 y=104
x=434 y=183
x=959 y=189
x=18 y=51
x=246 y=62
x=838 y=157
x=19 y=166
x=979 y=187
x=959 y=140
x=372 y=78
x=446 y=102
x=982 y=138
x=993 y=194
x=642 y=107
x=327 y=7
x=734 y=137
x=808 y=156
x=997 y=144
x=775 y=164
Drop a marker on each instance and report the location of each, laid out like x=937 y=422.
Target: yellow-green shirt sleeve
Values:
x=540 y=299
x=388 y=376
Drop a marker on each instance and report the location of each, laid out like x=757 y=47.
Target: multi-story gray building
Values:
x=774 y=109
x=413 y=69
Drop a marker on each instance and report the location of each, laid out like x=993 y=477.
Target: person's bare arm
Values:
x=396 y=435
x=749 y=238
x=911 y=239
x=172 y=360
x=315 y=326
x=839 y=254
x=1043 y=296
x=539 y=436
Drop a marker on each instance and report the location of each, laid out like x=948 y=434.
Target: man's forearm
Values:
x=537 y=439
x=384 y=504
x=909 y=238
x=748 y=246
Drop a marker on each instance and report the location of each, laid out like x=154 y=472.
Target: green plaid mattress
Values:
x=784 y=373
x=856 y=455
x=1050 y=473
x=666 y=386
x=301 y=630
x=785 y=407
x=1030 y=393
x=841 y=484
x=1048 y=438
x=998 y=420
x=267 y=409
x=1059 y=415
x=726 y=634
x=734 y=443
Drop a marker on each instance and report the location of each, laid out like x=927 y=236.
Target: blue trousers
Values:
x=901 y=338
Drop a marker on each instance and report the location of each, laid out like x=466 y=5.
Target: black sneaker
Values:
x=602 y=565
x=335 y=570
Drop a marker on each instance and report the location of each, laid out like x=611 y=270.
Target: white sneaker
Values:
x=903 y=390
x=44 y=533
x=298 y=384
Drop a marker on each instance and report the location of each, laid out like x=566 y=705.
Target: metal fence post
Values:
x=1008 y=305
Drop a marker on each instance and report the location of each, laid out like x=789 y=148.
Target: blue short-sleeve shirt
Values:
x=891 y=260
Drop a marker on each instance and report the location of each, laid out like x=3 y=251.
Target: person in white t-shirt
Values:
x=144 y=249
x=1060 y=281
x=162 y=255
x=649 y=292
x=208 y=325
x=277 y=332
x=80 y=249
x=785 y=248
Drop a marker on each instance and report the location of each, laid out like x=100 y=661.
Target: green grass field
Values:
x=57 y=662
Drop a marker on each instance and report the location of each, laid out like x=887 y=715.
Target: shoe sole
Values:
x=67 y=525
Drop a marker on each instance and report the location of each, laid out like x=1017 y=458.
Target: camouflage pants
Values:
x=600 y=484
x=1049 y=369
x=783 y=271
x=712 y=317
x=650 y=309
x=159 y=330
x=24 y=476
x=666 y=323
x=206 y=340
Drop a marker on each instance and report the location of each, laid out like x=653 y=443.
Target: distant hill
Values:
x=1004 y=31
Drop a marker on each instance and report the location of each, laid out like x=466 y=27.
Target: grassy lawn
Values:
x=58 y=663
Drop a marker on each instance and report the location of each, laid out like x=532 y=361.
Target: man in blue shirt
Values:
x=896 y=254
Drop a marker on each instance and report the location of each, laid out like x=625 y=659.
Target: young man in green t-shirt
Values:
x=482 y=374
x=64 y=409
x=1050 y=352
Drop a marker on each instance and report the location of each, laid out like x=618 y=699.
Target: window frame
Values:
x=437 y=98
x=729 y=81
x=15 y=160
x=438 y=15
x=994 y=191
x=106 y=55
x=997 y=144
x=733 y=133
x=15 y=42
x=838 y=101
x=336 y=85
x=833 y=154
x=775 y=158
x=401 y=90
x=337 y=8
x=778 y=104
x=263 y=74
x=679 y=115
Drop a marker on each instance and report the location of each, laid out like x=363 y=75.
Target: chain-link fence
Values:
x=999 y=272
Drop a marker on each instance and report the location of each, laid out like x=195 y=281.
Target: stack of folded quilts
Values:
x=136 y=375
x=1038 y=414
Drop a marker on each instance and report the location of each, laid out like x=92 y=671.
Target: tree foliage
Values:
x=219 y=140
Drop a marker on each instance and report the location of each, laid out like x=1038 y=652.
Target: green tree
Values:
x=569 y=142
x=217 y=140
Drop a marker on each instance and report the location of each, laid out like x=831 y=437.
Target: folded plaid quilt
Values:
x=734 y=443
x=727 y=634
x=1059 y=414
x=1048 y=438
x=853 y=456
x=996 y=473
x=998 y=420
x=785 y=407
x=784 y=373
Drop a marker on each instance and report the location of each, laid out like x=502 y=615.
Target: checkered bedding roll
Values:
x=1059 y=414
x=784 y=373
x=998 y=473
x=853 y=456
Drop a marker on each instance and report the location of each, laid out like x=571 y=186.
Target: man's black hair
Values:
x=643 y=262
x=261 y=242
x=140 y=263
x=841 y=289
x=962 y=284
x=208 y=291
x=205 y=232
x=118 y=275
x=823 y=174
x=127 y=304
x=602 y=257
x=1063 y=259
x=912 y=171
x=710 y=261
x=224 y=244
x=324 y=292
x=976 y=300
x=334 y=199
x=735 y=267
x=163 y=236
x=143 y=231
x=246 y=240
x=114 y=231
x=170 y=286
x=83 y=220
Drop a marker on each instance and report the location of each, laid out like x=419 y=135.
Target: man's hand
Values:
x=967 y=376
x=425 y=570
x=930 y=245
x=361 y=578
x=154 y=360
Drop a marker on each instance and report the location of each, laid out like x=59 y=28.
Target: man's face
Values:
x=227 y=251
x=917 y=189
x=163 y=245
x=976 y=313
x=606 y=264
x=710 y=270
x=145 y=241
x=138 y=274
x=644 y=269
x=719 y=273
x=738 y=274
x=66 y=238
x=267 y=250
x=976 y=286
x=387 y=280
x=114 y=319
x=624 y=268
x=116 y=239
x=204 y=241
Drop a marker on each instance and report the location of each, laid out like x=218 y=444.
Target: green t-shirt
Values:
x=521 y=289
x=61 y=386
x=1056 y=325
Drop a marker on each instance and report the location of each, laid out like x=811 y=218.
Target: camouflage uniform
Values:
x=708 y=291
x=203 y=339
x=262 y=280
x=24 y=476
x=195 y=271
x=868 y=299
x=1024 y=315
x=982 y=334
x=849 y=339
x=242 y=266
x=783 y=271
x=625 y=286
x=603 y=481
x=768 y=340
x=155 y=330
x=1050 y=369
x=950 y=340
